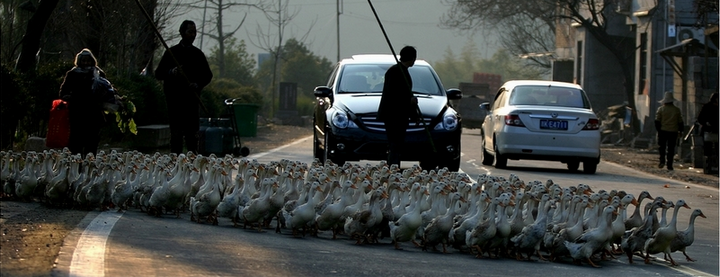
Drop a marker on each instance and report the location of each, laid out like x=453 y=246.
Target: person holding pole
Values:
x=184 y=71
x=669 y=124
x=398 y=104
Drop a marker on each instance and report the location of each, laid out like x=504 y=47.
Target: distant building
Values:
x=494 y=81
x=262 y=57
x=670 y=46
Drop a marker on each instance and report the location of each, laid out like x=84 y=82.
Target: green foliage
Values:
x=298 y=65
x=239 y=64
x=305 y=105
x=124 y=117
x=456 y=69
x=14 y=98
x=146 y=94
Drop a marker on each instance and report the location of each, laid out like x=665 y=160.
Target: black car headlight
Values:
x=340 y=120
x=449 y=121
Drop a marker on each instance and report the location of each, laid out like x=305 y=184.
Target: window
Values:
x=643 y=63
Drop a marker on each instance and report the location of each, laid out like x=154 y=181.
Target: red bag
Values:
x=58 y=135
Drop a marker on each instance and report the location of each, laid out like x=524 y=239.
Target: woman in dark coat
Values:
x=708 y=119
x=84 y=104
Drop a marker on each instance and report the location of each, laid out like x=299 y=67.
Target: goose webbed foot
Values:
x=592 y=264
x=688 y=257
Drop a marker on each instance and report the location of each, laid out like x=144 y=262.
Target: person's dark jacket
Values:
x=396 y=102
x=85 y=105
x=709 y=117
x=176 y=86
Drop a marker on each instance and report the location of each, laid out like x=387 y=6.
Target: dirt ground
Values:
x=32 y=233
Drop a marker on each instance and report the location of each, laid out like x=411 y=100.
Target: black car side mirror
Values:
x=454 y=94
x=322 y=91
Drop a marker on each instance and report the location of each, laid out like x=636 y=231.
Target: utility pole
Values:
x=337 y=18
x=202 y=28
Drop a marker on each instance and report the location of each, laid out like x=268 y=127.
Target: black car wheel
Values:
x=573 y=165
x=318 y=153
x=327 y=156
x=500 y=160
x=487 y=158
x=590 y=166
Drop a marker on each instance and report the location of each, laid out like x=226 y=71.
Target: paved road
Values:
x=135 y=244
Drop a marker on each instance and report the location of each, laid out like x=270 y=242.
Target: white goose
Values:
x=57 y=188
x=531 y=236
x=405 y=227
x=330 y=217
x=437 y=231
x=28 y=180
x=359 y=224
x=206 y=203
x=593 y=239
x=302 y=215
x=485 y=230
x=258 y=207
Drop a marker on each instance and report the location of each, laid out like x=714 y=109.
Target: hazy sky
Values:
x=407 y=22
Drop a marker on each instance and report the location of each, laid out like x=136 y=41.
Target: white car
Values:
x=541 y=120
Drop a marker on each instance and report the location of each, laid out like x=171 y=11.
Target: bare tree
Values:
x=527 y=27
x=592 y=15
x=272 y=43
x=33 y=33
x=218 y=33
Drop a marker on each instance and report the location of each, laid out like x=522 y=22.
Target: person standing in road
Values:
x=184 y=71
x=708 y=118
x=398 y=104
x=80 y=89
x=669 y=124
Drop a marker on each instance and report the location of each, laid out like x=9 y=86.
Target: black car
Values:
x=346 y=124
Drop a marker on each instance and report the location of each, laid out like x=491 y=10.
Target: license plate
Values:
x=553 y=124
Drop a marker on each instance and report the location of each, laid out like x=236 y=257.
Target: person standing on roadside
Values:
x=80 y=89
x=708 y=118
x=398 y=104
x=669 y=124
x=184 y=71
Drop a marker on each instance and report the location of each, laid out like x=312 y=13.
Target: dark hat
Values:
x=408 y=53
x=85 y=53
x=669 y=98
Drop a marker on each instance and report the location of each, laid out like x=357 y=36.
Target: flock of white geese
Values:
x=494 y=216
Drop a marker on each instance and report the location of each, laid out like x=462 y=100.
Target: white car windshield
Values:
x=369 y=78
x=549 y=96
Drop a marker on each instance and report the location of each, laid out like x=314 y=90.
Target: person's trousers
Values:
x=395 y=131
x=84 y=138
x=667 y=142
x=184 y=127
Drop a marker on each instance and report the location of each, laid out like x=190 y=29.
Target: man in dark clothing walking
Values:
x=669 y=124
x=182 y=83
x=398 y=104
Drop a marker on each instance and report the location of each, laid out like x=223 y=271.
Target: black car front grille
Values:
x=372 y=123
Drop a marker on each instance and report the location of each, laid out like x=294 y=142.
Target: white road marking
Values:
x=259 y=155
x=89 y=256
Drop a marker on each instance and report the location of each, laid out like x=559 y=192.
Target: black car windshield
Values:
x=369 y=78
x=549 y=96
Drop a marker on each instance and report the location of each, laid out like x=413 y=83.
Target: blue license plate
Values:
x=553 y=124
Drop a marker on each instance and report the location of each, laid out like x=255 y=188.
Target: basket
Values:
x=58 y=135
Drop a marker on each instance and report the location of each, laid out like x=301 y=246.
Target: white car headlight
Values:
x=341 y=120
x=449 y=122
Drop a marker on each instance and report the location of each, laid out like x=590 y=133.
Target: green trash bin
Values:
x=246 y=118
